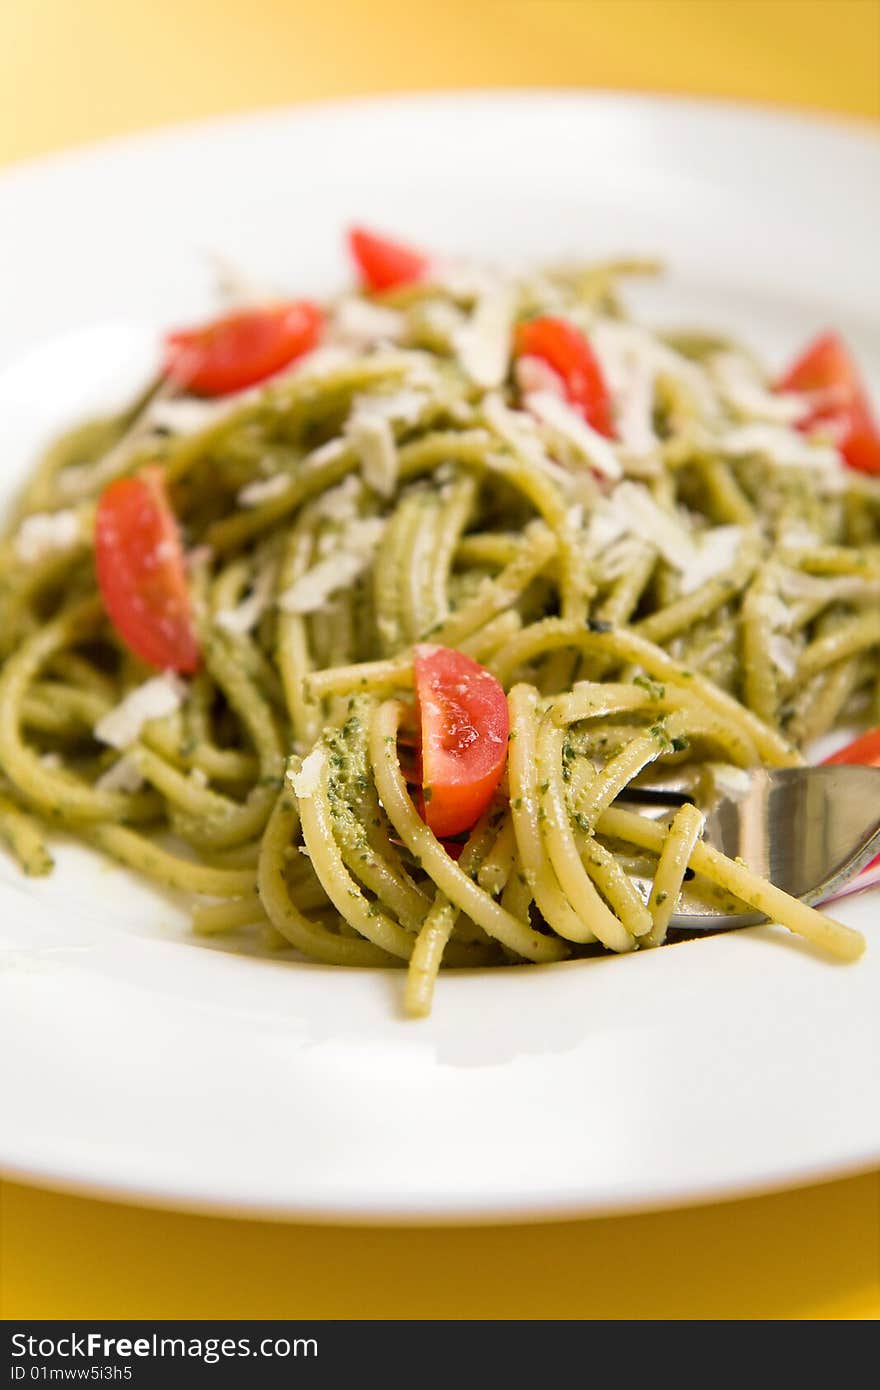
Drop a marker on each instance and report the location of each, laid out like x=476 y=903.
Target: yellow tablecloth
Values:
x=73 y=70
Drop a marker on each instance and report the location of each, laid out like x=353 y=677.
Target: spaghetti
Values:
x=691 y=582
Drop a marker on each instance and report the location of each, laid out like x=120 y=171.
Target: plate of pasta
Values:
x=380 y=531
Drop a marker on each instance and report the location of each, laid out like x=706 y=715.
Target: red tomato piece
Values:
x=241 y=349
x=565 y=349
x=861 y=445
x=827 y=374
x=864 y=750
x=385 y=264
x=141 y=574
x=464 y=727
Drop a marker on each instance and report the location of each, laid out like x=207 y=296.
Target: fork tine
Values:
x=805 y=829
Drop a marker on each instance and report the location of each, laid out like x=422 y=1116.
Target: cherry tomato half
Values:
x=564 y=348
x=864 y=750
x=141 y=574
x=384 y=264
x=826 y=373
x=241 y=349
x=464 y=727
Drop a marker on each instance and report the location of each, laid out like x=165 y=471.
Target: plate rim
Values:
x=847 y=125
x=360 y=1212
x=357 y=1210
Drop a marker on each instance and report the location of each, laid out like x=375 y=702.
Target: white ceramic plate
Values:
x=138 y=1063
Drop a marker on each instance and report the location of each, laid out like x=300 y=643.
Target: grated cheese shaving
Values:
x=771 y=608
x=631 y=511
x=567 y=424
x=156 y=698
x=634 y=411
x=245 y=616
x=646 y=518
x=373 y=439
x=783 y=654
x=368 y=429
x=742 y=388
x=263 y=490
x=782 y=446
x=325 y=453
x=483 y=342
x=624 y=347
x=534 y=374
x=46 y=533
x=464 y=279
x=306 y=782
x=323 y=361
x=443 y=318
x=123 y=776
x=185 y=415
x=518 y=430
x=405 y=406
x=344 y=564
x=714 y=552
x=608 y=523
x=359 y=324
x=340 y=503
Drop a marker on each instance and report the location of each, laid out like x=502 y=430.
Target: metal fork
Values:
x=806 y=829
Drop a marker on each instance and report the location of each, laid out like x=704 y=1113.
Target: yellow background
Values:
x=73 y=70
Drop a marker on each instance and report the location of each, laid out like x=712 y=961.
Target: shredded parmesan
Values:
x=263 y=490
x=156 y=698
x=245 y=616
x=337 y=569
x=771 y=608
x=340 y=503
x=796 y=534
x=442 y=318
x=520 y=433
x=46 y=533
x=184 y=415
x=634 y=411
x=623 y=348
x=122 y=776
x=646 y=518
x=608 y=522
x=631 y=511
x=483 y=342
x=305 y=782
x=619 y=558
x=517 y=429
x=714 y=552
x=464 y=279
x=742 y=388
x=783 y=654
x=782 y=446
x=565 y=423
x=534 y=374
x=369 y=430
x=405 y=405
x=373 y=438
x=359 y=324
x=325 y=453
x=323 y=361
